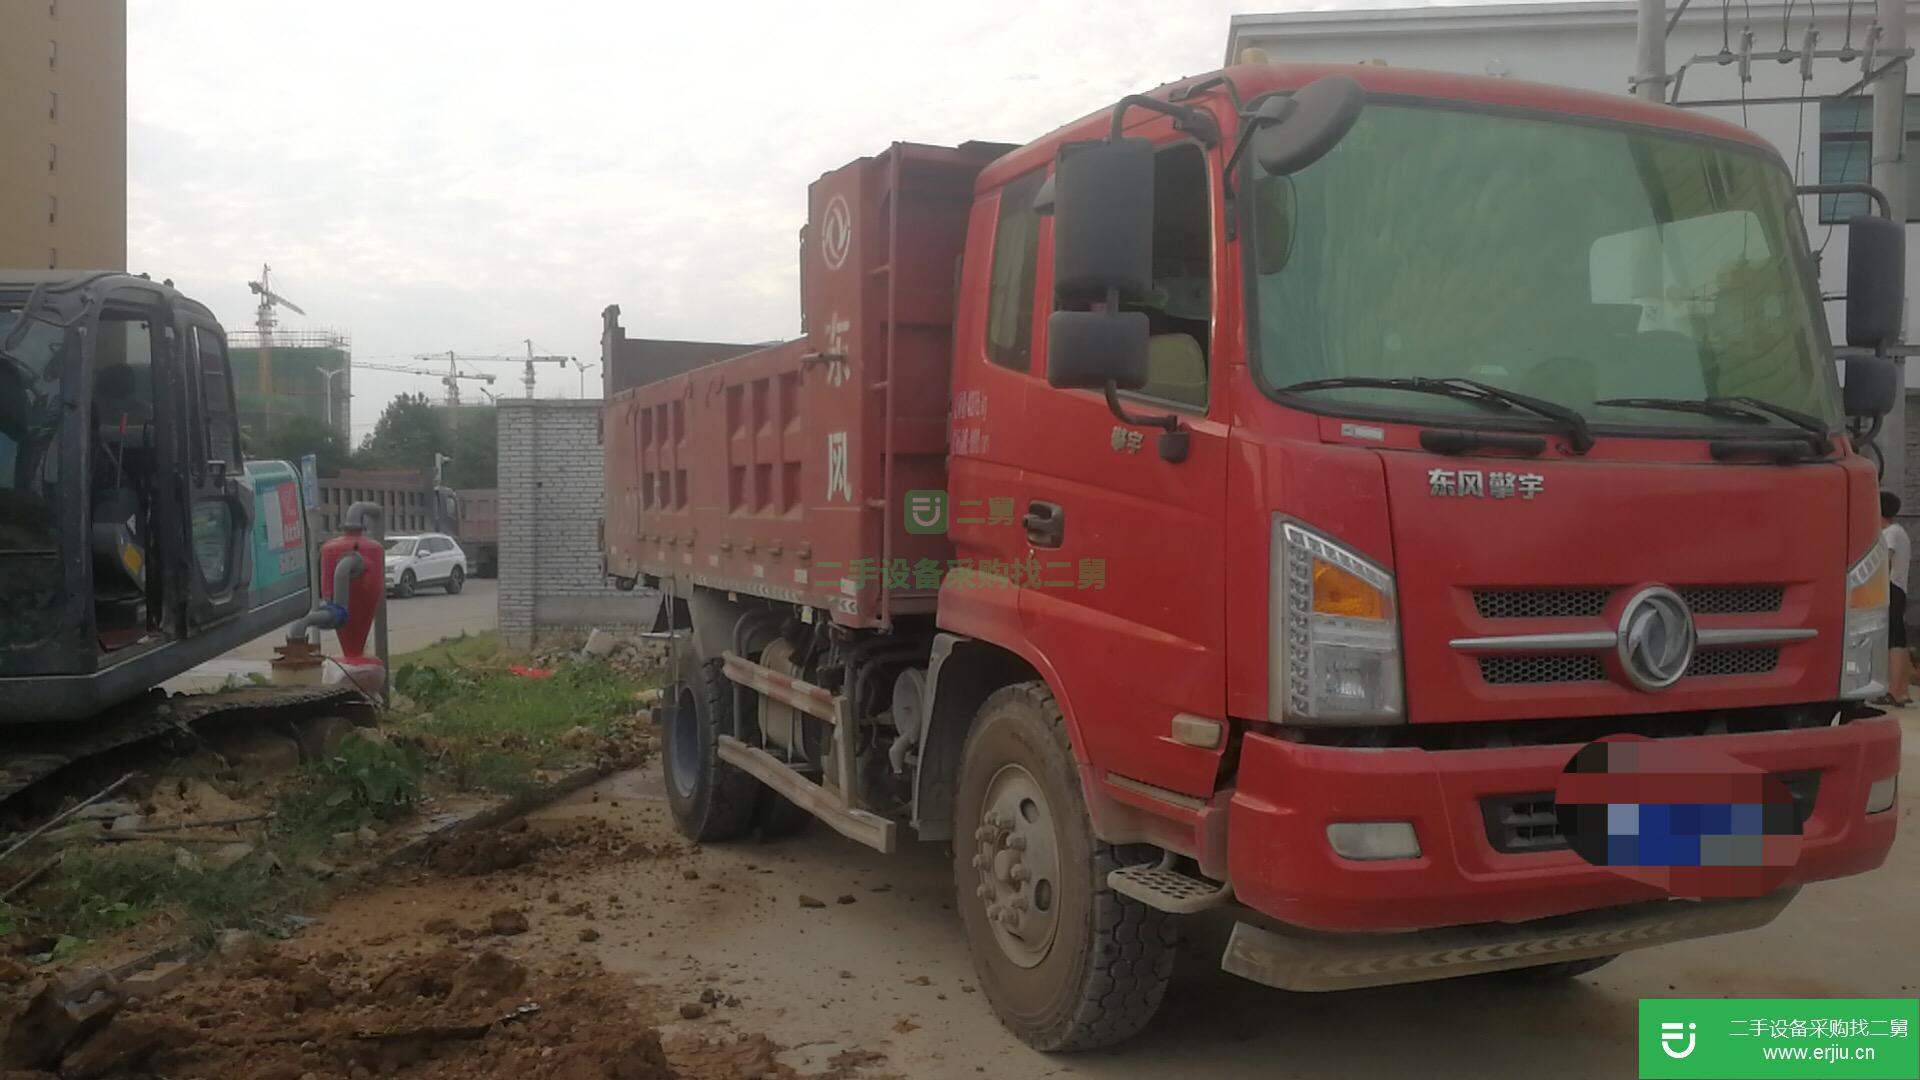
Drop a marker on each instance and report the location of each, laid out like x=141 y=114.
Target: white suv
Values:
x=427 y=559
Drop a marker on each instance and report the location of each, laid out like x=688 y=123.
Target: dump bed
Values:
x=783 y=472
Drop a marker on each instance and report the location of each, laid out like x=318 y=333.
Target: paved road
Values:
x=890 y=971
x=414 y=623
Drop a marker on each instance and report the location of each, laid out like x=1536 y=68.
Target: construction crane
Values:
x=563 y=361
x=265 y=320
x=529 y=360
x=454 y=374
x=449 y=378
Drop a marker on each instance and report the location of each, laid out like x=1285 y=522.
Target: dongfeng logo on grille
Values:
x=1656 y=638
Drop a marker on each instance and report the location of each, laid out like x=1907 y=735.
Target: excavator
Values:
x=135 y=540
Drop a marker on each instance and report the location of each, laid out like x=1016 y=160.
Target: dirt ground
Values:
x=648 y=957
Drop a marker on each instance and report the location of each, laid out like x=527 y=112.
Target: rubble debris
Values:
x=692 y=1010
x=507 y=922
x=62 y=1013
x=811 y=901
x=154 y=981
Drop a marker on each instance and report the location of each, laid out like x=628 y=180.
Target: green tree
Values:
x=406 y=436
x=297 y=436
x=475 y=449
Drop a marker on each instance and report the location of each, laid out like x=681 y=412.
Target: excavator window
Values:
x=123 y=477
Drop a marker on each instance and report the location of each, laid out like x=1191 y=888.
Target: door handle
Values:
x=1046 y=524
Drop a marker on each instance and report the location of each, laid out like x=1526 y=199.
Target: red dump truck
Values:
x=1258 y=497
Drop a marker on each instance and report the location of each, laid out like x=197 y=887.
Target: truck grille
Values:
x=1546 y=668
x=1519 y=824
x=1589 y=602
x=1751 y=661
x=1540 y=603
x=1587 y=667
x=1732 y=599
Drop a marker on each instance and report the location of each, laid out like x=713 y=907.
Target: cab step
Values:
x=1159 y=886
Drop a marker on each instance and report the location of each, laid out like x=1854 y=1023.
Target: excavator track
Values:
x=34 y=752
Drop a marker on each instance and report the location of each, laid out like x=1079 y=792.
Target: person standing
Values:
x=1899 y=555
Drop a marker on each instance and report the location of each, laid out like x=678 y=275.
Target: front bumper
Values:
x=1295 y=959
x=1288 y=793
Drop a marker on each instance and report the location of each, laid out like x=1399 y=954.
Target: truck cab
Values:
x=1363 y=492
x=128 y=547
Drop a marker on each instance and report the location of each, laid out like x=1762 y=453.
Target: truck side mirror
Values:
x=1103 y=222
x=1291 y=133
x=1876 y=284
x=1873 y=384
x=1087 y=350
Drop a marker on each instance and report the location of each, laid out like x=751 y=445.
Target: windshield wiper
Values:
x=1742 y=407
x=1579 y=438
x=1806 y=422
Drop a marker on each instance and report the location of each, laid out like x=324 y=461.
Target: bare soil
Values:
x=468 y=966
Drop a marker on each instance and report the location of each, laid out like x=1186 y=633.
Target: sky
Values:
x=435 y=175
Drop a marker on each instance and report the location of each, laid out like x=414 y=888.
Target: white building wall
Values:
x=1590 y=46
x=550 y=493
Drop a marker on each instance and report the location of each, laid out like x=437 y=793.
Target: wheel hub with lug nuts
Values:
x=1018 y=860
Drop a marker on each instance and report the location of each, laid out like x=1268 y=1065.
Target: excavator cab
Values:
x=127 y=515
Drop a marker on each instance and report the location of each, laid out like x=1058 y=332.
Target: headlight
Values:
x=1335 y=633
x=1863 y=657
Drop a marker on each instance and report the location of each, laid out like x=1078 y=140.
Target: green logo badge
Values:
x=1869 y=1038
x=927 y=512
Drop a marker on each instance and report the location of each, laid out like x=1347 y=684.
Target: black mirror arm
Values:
x=1861 y=439
x=1879 y=197
x=1196 y=122
x=1173 y=443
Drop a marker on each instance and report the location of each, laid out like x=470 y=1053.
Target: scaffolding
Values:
x=312 y=376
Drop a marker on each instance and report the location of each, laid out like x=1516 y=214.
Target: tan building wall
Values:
x=63 y=133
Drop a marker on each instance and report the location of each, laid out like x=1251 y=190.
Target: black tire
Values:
x=406 y=586
x=775 y=817
x=1564 y=969
x=456 y=581
x=710 y=799
x=1101 y=975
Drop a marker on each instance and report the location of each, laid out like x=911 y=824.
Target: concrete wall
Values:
x=550 y=495
x=63 y=134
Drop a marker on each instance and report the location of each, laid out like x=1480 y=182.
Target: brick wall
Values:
x=549 y=492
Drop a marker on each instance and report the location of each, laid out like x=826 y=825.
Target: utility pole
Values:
x=1650 y=56
x=1890 y=176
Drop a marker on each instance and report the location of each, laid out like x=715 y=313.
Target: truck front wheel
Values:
x=1066 y=963
x=710 y=799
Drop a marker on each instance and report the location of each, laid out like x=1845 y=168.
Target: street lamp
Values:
x=330 y=373
x=583 y=374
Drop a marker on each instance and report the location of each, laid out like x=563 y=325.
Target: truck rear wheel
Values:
x=1066 y=963
x=710 y=799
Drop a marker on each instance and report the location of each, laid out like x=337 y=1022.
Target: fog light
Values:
x=1373 y=840
x=1881 y=795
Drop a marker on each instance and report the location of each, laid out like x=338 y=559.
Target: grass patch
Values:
x=101 y=889
x=466 y=650
x=489 y=729
x=469 y=724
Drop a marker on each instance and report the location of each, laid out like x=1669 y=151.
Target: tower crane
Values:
x=454 y=374
x=449 y=378
x=265 y=320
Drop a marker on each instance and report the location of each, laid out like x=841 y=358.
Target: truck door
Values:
x=220 y=504
x=1130 y=610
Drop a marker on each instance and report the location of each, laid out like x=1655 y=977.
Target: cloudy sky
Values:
x=435 y=175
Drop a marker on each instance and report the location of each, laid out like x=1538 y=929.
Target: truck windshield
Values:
x=32 y=358
x=1579 y=263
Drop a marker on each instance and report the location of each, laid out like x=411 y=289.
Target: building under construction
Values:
x=311 y=373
